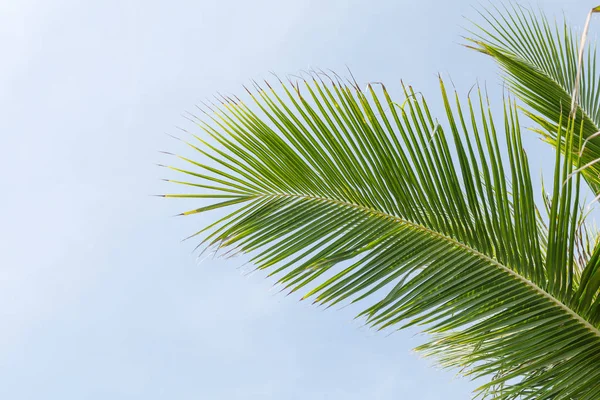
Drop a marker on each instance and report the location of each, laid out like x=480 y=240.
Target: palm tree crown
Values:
x=352 y=196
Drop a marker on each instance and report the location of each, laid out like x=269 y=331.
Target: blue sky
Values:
x=98 y=297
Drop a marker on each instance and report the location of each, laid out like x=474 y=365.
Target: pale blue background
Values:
x=98 y=298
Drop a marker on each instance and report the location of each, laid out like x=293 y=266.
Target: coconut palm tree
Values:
x=348 y=195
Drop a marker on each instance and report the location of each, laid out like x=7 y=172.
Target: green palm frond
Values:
x=351 y=196
x=540 y=60
x=587 y=239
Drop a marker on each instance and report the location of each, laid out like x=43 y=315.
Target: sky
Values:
x=99 y=298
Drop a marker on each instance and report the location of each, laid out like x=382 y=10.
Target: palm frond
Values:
x=351 y=196
x=540 y=63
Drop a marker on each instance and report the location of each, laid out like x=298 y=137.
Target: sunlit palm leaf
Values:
x=540 y=60
x=422 y=218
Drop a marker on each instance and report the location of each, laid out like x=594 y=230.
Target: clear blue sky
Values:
x=98 y=297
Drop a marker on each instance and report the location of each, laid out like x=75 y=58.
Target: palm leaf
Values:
x=540 y=63
x=353 y=197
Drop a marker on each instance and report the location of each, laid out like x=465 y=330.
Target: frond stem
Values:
x=448 y=239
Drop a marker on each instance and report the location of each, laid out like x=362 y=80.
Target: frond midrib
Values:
x=442 y=236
